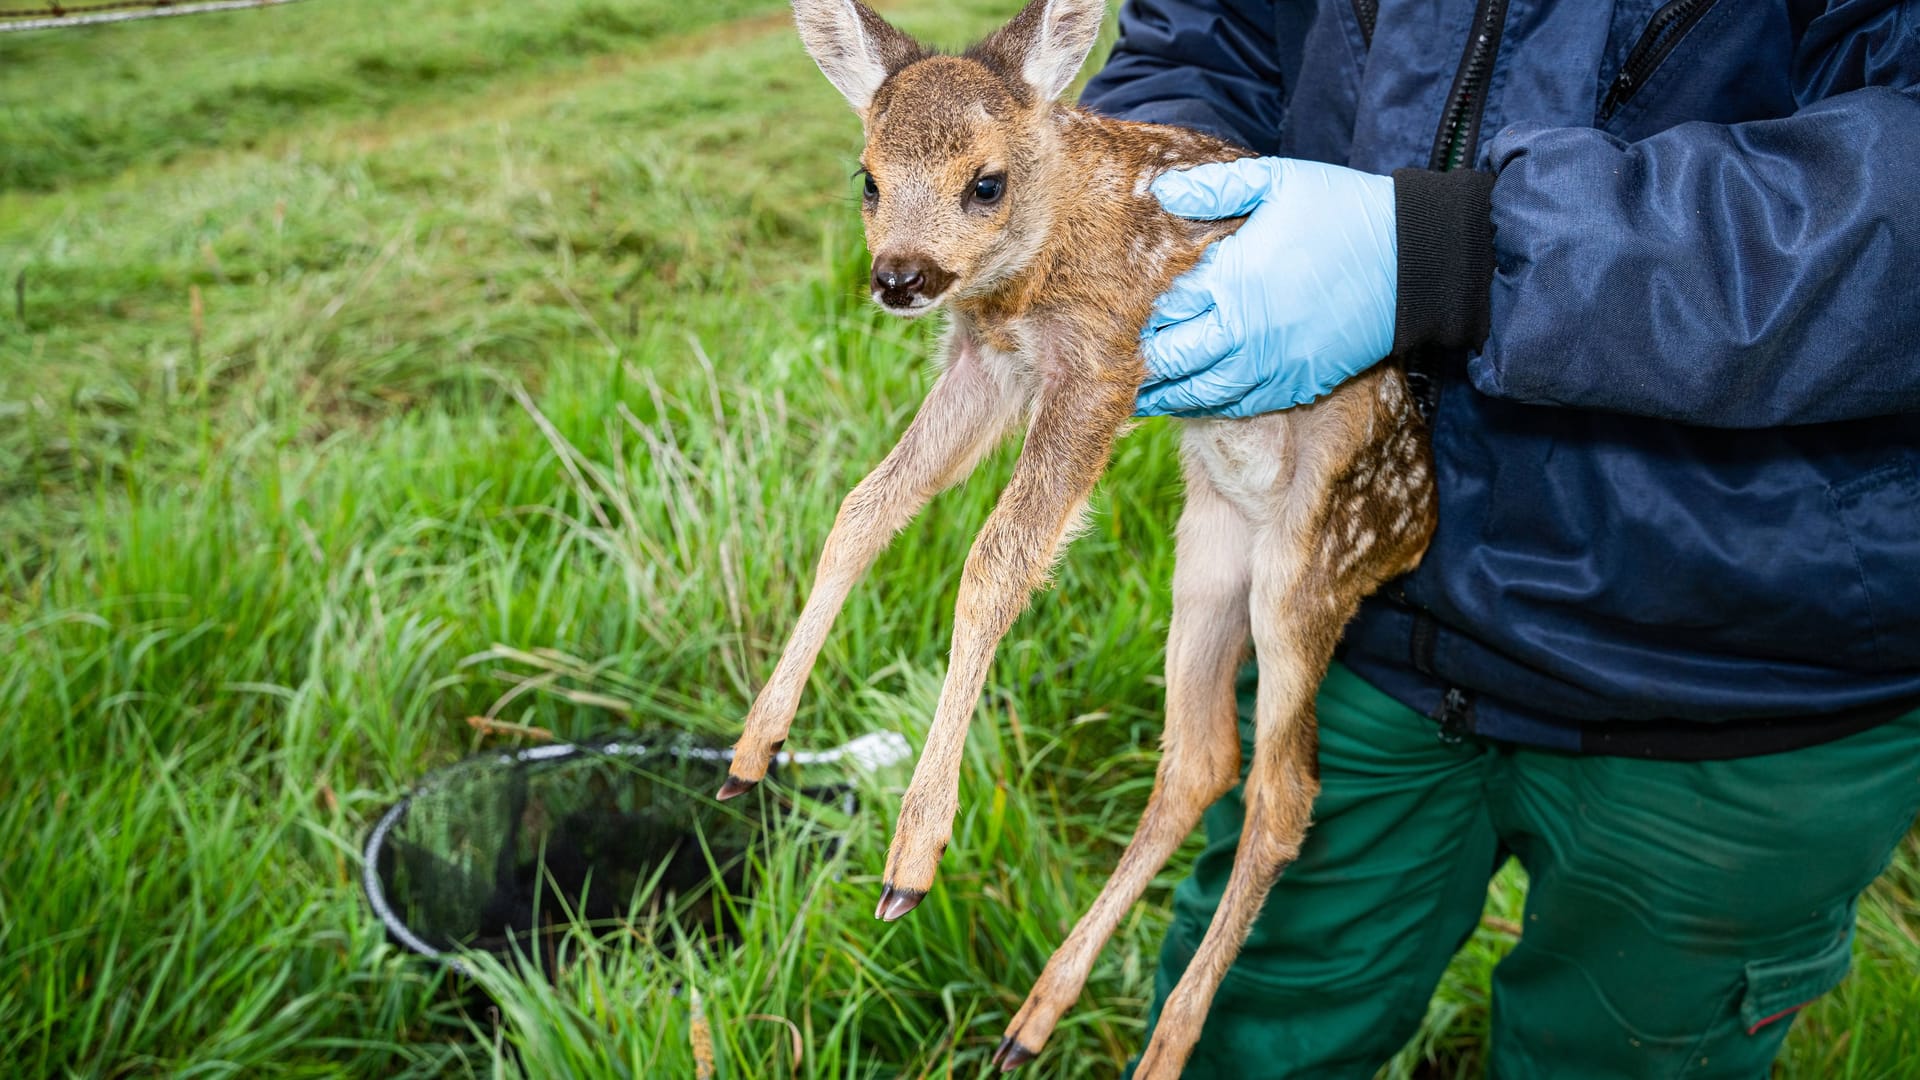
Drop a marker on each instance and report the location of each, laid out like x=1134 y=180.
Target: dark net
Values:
x=498 y=850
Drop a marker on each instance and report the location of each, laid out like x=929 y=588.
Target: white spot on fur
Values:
x=1146 y=255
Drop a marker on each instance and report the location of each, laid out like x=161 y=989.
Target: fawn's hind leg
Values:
x=1200 y=748
x=1297 y=616
x=1355 y=508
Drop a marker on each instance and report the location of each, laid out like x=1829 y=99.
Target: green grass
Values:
x=528 y=368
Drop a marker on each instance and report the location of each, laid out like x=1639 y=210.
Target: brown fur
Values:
x=1291 y=518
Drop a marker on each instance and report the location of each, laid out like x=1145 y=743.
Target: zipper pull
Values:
x=1617 y=94
x=1455 y=716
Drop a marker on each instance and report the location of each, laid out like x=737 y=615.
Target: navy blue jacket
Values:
x=1680 y=470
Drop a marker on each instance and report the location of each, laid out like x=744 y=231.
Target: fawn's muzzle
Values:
x=908 y=285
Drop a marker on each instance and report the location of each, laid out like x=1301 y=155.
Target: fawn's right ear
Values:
x=855 y=48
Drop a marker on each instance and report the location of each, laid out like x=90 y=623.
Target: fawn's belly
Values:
x=1279 y=468
x=1248 y=461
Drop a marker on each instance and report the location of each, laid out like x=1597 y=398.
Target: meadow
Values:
x=368 y=367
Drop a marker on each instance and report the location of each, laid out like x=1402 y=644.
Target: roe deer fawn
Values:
x=1032 y=222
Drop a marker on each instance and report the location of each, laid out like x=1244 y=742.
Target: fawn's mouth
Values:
x=907 y=307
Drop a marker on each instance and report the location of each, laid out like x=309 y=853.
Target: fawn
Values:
x=1032 y=223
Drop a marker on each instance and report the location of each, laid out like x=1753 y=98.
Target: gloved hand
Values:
x=1300 y=299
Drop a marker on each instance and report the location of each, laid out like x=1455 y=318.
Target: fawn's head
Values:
x=959 y=148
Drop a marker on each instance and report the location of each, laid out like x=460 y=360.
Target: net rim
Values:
x=376 y=891
x=865 y=753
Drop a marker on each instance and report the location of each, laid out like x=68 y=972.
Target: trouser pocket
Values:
x=1776 y=989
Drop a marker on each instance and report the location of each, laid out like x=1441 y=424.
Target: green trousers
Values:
x=1678 y=912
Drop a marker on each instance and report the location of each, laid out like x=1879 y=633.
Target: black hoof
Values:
x=897 y=902
x=1011 y=1055
x=734 y=786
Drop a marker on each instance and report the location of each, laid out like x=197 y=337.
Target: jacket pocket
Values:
x=1669 y=63
x=1880 y=513
x=1776 y=989
x=1664 y=30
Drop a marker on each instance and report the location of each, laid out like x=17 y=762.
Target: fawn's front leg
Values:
x=970 y=408
x=1200 y=748
x=1076 y=419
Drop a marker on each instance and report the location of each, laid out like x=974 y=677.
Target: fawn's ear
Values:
x=855 y=48
x=1047 y=42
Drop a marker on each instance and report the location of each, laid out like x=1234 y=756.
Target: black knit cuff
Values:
x=1444 y=225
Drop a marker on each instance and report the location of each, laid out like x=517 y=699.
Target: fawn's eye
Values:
x=872 y=189
x=987 y=189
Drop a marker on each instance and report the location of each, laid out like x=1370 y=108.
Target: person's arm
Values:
x=1214 y=65
x=1742 y=275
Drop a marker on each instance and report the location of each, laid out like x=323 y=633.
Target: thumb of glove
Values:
x=1220 y=189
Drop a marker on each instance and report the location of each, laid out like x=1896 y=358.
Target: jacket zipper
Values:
x=1422 y=644
x=1668 y=25
x=1455 y=716
x=1453 y=144
x=1367 y=11
x=1456 y=705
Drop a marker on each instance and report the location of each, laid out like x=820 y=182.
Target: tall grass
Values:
x=524 y=383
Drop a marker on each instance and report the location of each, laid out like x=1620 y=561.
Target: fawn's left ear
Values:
x=1047 y=42
x=855 y=48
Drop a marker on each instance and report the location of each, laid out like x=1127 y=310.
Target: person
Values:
x=1652 y=270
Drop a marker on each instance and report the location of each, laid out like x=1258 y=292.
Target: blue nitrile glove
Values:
x=1300 y=299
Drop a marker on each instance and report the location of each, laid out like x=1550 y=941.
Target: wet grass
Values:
x=384 y=365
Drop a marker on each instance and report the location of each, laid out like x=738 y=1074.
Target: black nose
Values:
x=898 y=276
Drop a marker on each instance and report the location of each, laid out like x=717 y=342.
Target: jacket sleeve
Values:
x=1745 y=275
x=1214 y=65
